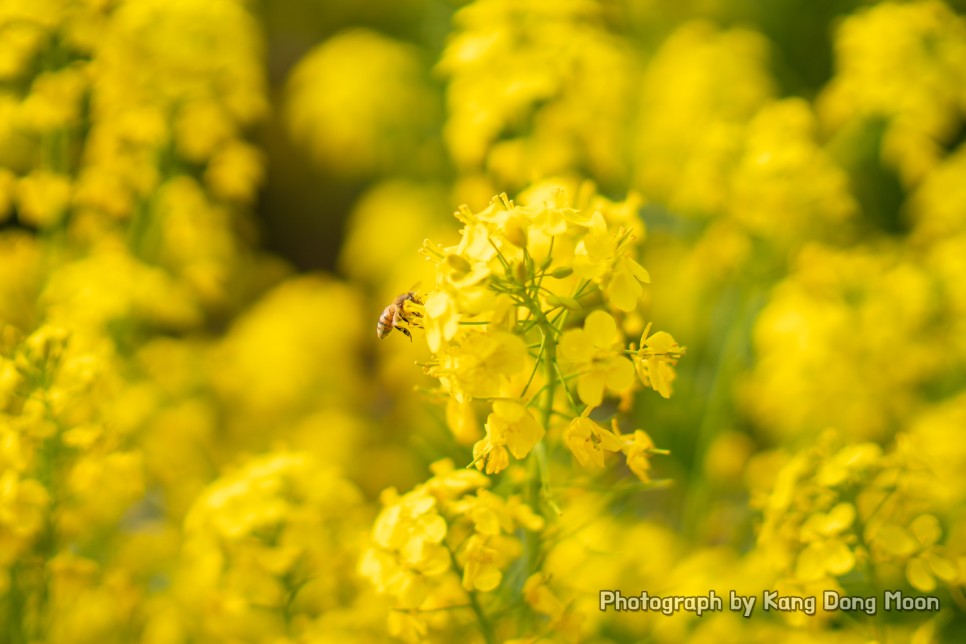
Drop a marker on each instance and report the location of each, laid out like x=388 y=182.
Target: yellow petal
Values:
x=432 y=527
x=523 y=435
x=574 y=346
x=811 y=563
x=661 y=342
x=590 y=387
x=601 y=329
x=896 y=540
x=942 y=567
x=840 y=518
x=639 y=272
x=919 y=576
x=608 y=440
x=488 y=579
x=658 y=374
x=620 y=374
x=437 y=303
x=509 y=410
x=925 y=528
x=839 y=559
x=623 y=290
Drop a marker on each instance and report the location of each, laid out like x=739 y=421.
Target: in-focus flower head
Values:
x=511 y=426
x=522 y=315
x=655 y=360
x=595 y=354
x=589 y=442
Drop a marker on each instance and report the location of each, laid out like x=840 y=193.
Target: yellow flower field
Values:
x=482 y=321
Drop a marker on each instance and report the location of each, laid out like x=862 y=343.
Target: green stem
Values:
x=536 y=366
x=570 y=397
x=485 y=627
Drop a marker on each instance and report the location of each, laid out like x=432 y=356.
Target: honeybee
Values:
x=394 y=316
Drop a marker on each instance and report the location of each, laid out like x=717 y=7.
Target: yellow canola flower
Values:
x=904 y=62
x=589 y=442
x=481 y=570
x=270 y=541
x=638 y=449
x=360 y=103
x=200 y=128
x=834 y=505
x=23 y=509
x=536 y=89
x=195 y=51
x=22 y=276
x=112 y=285
x=827 y=552
x=938 y=205
x=784 y=186
x=480 y=365
x=563 y=620
x=655 y=360
x=54 y=100
x=442 y=319
x=933 y=439
x=165 y=78
x=274 y=363
x=235 y=172
x=447 y=529
x=605 y=258
x=511 y=426
x=699 y=89
x=43 y=198
x=101 y=488
x=919 y=544
x=19 y=43
x=407 y=552
x=386 y=224
x=824 y=356
x=595 y=354
x=520 y=319
x=539 y=596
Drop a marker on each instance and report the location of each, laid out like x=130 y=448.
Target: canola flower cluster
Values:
x=437 y=547
x=197 y=444
x=125 y=177
x=508 y=332
x=500 y=322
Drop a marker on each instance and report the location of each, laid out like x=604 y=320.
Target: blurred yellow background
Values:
x=206 y=205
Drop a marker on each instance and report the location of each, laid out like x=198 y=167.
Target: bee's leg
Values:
x=405 y=332
x=414 y=319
